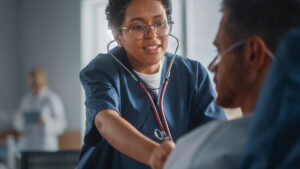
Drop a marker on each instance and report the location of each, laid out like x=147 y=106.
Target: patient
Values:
x=249 y=33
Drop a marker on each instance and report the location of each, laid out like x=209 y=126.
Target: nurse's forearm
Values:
x=124 y=137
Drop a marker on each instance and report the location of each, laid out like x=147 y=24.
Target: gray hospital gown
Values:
x=217 y=145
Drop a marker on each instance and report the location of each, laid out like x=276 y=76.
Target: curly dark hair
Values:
x=115 y=11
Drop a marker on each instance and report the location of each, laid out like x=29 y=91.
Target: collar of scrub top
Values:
x=163 y=133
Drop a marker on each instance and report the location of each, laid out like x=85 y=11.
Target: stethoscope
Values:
x=163 y=133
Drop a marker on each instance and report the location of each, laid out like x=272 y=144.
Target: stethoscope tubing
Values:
x=164 y=128
x=168 y=133
x=152 y=106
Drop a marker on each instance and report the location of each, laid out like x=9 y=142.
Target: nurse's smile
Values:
x=152 y=49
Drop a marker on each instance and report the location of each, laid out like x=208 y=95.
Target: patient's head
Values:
x=37 y=80
x=249 y=32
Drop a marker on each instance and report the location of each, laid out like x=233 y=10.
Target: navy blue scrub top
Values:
x=189 y=101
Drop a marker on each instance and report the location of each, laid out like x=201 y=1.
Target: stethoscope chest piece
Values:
x=159 y=134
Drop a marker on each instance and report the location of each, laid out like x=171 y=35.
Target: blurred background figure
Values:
x=40 y=117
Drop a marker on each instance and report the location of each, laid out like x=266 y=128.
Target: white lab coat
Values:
x=37 y=136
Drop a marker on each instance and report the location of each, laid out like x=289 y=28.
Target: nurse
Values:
x=40 y=118
x=120 y=122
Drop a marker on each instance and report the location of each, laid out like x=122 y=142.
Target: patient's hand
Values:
x=160 y=154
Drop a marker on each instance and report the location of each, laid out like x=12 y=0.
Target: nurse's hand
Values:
x=160 y=154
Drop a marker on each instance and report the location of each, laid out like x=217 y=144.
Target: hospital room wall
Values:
x=9 y=63
x=41 y=33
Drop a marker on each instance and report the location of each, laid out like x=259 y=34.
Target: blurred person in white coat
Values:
x=40 y=118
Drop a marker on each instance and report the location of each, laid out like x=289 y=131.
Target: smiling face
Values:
x=144 y=55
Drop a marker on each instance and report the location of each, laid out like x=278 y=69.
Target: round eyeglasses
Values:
x=141 y=31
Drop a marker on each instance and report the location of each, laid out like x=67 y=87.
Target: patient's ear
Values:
x=256 y=53
x=117 y=35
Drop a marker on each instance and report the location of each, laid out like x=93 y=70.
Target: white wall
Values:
x=202 y=24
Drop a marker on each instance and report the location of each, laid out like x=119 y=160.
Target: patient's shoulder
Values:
x=213 y=128
x=220 y=141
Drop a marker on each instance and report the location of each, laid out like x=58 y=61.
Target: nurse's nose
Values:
x=150 y=32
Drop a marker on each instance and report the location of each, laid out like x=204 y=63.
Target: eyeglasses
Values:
x=217 y=59
x=141 y=31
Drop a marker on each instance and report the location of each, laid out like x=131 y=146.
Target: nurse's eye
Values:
x=160 y=24
x=138 y=27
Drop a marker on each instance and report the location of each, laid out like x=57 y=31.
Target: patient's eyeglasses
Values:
x=217 y=59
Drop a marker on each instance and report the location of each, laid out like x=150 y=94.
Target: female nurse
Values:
x=120 y=121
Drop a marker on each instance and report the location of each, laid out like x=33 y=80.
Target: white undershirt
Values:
x=152 y=80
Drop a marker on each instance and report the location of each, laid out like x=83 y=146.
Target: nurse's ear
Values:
x=116 y=35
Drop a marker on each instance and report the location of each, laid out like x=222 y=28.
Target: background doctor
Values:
x=40 y=118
